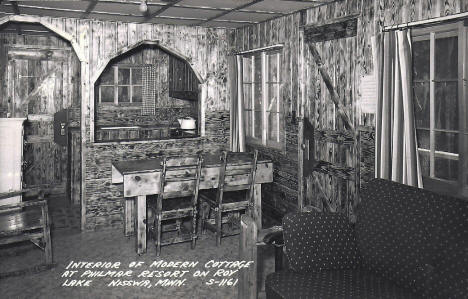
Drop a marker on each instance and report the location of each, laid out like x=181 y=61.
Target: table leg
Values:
x=141 y=224
x=257 y=210
x=129 y=204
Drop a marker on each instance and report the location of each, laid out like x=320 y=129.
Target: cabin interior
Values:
x=332 y=96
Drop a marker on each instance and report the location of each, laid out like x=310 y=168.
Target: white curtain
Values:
x=396 y=154
x=149 y=92
x=237 y=142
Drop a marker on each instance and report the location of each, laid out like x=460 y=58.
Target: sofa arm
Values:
x=317 y=241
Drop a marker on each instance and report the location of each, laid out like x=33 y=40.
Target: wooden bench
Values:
x=27 y=221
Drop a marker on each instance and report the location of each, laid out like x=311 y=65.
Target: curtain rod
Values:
x=426 y=22
x=273 y=47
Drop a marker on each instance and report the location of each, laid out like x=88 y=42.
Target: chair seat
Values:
x=349 y=284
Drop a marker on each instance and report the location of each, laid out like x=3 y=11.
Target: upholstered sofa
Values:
x=406 y=243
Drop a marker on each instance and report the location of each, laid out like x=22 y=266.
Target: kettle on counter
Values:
x=187 y=123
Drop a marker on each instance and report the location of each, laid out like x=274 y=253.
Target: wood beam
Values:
x=161 y=10
x=92 y=4
x=229 y=11
x=16 y=10
x=328 y=82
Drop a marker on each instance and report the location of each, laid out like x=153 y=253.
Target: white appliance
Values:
x=11 y=157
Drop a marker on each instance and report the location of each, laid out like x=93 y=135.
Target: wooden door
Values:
x=329 y=62
x=37 y=87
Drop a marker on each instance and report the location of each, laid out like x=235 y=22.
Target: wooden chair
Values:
x=177 y=199
x=26 y=221
x=235 y=193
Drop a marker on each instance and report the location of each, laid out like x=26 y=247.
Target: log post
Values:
x=247 y=288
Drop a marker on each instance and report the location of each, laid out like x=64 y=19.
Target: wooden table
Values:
x=141 y=178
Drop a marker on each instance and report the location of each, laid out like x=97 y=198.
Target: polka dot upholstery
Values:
x=393 y=228
x=329 y=235
x=407 y=242
x=333 y=284
x=449 y=277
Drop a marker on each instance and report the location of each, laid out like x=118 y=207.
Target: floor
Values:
x=69 y=244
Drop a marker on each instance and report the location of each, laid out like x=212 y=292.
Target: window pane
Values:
x=421 y=104
x=446 y=169
x=272 y=126
x=247 y=69
x=258 y=68
x=123 y=94
x=446 y=105
x=123 y=76
x=107 y=94
x=136 y=76
x=137 y=98
x=258 y=124
x=421 y=60
x=272 y=67
x=423 y=138
x=446 y=58
x=258 y=96
x=446 y=142
x=273 y=95
x=247 y=96
x=425 y=163
x=107 y=76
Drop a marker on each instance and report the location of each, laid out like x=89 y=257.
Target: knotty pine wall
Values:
x=304 y=93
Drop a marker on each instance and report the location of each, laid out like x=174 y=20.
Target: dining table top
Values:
x=155 y=164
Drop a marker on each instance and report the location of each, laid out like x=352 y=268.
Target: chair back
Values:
x=180 y=176
x=238 y=171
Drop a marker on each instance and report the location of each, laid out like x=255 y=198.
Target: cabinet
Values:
x=11 y=157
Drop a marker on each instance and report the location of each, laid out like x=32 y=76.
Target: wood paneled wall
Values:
x=304 y=93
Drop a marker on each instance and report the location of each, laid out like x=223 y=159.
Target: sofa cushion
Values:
x=394 y=230
x=449 y=277
x=317 y=241
x=334 y=284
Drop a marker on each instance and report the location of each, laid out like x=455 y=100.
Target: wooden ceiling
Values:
x=207 y=13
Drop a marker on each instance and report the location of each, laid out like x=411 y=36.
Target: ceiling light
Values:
x=143 y=7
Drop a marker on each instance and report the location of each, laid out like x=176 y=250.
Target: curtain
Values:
x=149 y=90
x=396 y=154
x=237 y=128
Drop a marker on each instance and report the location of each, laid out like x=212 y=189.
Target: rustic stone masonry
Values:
x=104 y=201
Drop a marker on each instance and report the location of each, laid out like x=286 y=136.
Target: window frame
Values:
x=264 y=140
x=116 y=85
x=431 y=33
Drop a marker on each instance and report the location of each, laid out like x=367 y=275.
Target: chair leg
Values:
x=205 y=215
x=194 y=229
x=47 y=247
x=158 y=233
x=218 y=226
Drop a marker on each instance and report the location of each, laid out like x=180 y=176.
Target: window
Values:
x=121 y=84
x=439 y=105
x=262 y=103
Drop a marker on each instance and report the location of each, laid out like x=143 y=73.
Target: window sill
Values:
x=445 y=187
x=258 y=144
x=141 y=134
x=146 y=141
